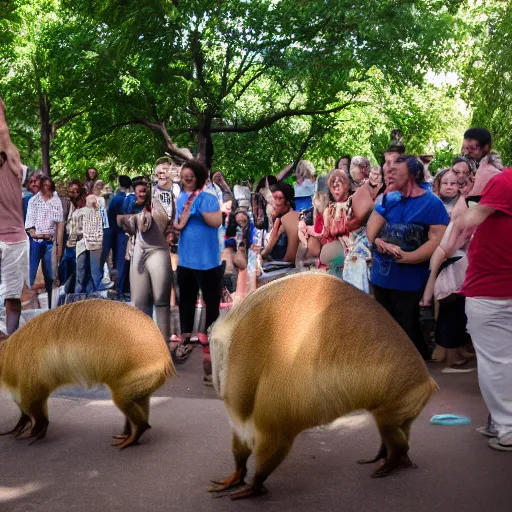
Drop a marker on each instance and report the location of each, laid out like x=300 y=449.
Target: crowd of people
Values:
x=183 y=237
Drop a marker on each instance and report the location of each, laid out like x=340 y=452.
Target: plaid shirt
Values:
x=43 y=215
x=86 y=223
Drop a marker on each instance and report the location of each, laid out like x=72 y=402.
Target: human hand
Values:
x=425 y=301
x=390 y=249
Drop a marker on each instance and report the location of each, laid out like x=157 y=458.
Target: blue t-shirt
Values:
x=26 y=199
x=407 y=224
x=198 y=245
x=114 y=209
x=130 y=205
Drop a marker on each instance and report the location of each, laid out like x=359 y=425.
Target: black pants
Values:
x=405 y=309
x=451 y=324
x=190 y=282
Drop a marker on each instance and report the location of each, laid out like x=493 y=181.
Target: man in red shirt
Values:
x=488 y=292
x=13 y=240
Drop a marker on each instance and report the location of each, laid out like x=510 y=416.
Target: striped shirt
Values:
x=43 y=215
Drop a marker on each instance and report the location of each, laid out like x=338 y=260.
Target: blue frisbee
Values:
x=449 y=419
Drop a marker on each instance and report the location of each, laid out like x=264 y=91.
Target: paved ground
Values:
x=75 y=469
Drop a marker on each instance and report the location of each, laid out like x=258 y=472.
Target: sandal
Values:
x=181 y=353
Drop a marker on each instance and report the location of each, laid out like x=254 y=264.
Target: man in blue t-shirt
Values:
x=131 y=204
x=405 y=228
x=113 y=237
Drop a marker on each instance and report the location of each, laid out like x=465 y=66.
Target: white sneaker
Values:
x=454 y=369
x=497 y=445
x=487 y=431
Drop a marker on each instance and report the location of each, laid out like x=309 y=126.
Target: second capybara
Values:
x=86 y=343
x=303 y=351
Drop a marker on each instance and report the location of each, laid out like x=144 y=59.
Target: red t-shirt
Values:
x=489 y=272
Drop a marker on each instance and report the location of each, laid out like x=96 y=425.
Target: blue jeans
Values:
x=108 y=243
x=120 y=263
x=67 y=269
x=42 y=252
x=88 y=272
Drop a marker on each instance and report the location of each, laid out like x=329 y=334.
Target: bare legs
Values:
x=13 y=314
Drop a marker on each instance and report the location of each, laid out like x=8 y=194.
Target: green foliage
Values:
x=266 y=77
x=489 y=72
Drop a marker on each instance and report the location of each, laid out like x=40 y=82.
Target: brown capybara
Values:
x=86 y=343
x=303 y=351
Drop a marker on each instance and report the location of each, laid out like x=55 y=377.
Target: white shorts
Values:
x=13 y=269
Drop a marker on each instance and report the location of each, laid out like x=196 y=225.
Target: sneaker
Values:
x=487 y=431
x=457 y=369
x=495 y=444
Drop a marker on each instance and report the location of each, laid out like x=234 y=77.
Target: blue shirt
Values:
x=198 y=246
x=407 y=224
x=130 y=205
x=114 y=209
x=26 y=199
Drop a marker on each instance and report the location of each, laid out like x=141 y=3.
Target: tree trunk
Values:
x=204 y=145
x=46 y=130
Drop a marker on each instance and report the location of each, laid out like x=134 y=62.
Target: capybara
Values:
x=86 y=343
x=303 y=351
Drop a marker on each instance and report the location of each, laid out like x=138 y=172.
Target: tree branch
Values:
x=241 y=71
x=197 y=56
x=61 y=122
x=249 y=82
x=268 y=121
x=224 y=79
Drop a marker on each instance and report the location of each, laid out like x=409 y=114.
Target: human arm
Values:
x=213 y=219
x=464 y=226
x=277 y=230
x=291 y=226
x=375 y=223
x=7 y=147
x=436 y=261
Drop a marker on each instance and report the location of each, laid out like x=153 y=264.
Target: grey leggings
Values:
x=152 y=287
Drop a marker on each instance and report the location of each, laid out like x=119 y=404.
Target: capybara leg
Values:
x=38 y=413
x=381 y=454
x=241 y=452
x=137 y=418
x=127 y=431
x=21 y=426
x=269 y=453
x=397 y=447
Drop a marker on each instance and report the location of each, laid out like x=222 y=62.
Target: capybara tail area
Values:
x=408 y=407
x=141 y=383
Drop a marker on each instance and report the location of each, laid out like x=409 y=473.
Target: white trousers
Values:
x=490 y=327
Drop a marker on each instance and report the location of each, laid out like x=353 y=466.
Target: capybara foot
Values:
x=248 y=492
x=390 y=465
x=371 y=461
x=38 y=433
x=133 y=439
x=120 y=436
x=236 y=479
x=23 y=423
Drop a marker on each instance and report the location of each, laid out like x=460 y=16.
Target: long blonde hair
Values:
x=305 y=171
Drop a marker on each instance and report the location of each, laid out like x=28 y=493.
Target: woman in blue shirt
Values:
x=199 y=218
x=405 y=228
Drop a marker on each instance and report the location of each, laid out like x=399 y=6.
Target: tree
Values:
x=196 y=69
x=44 y=59
x=489 y=71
